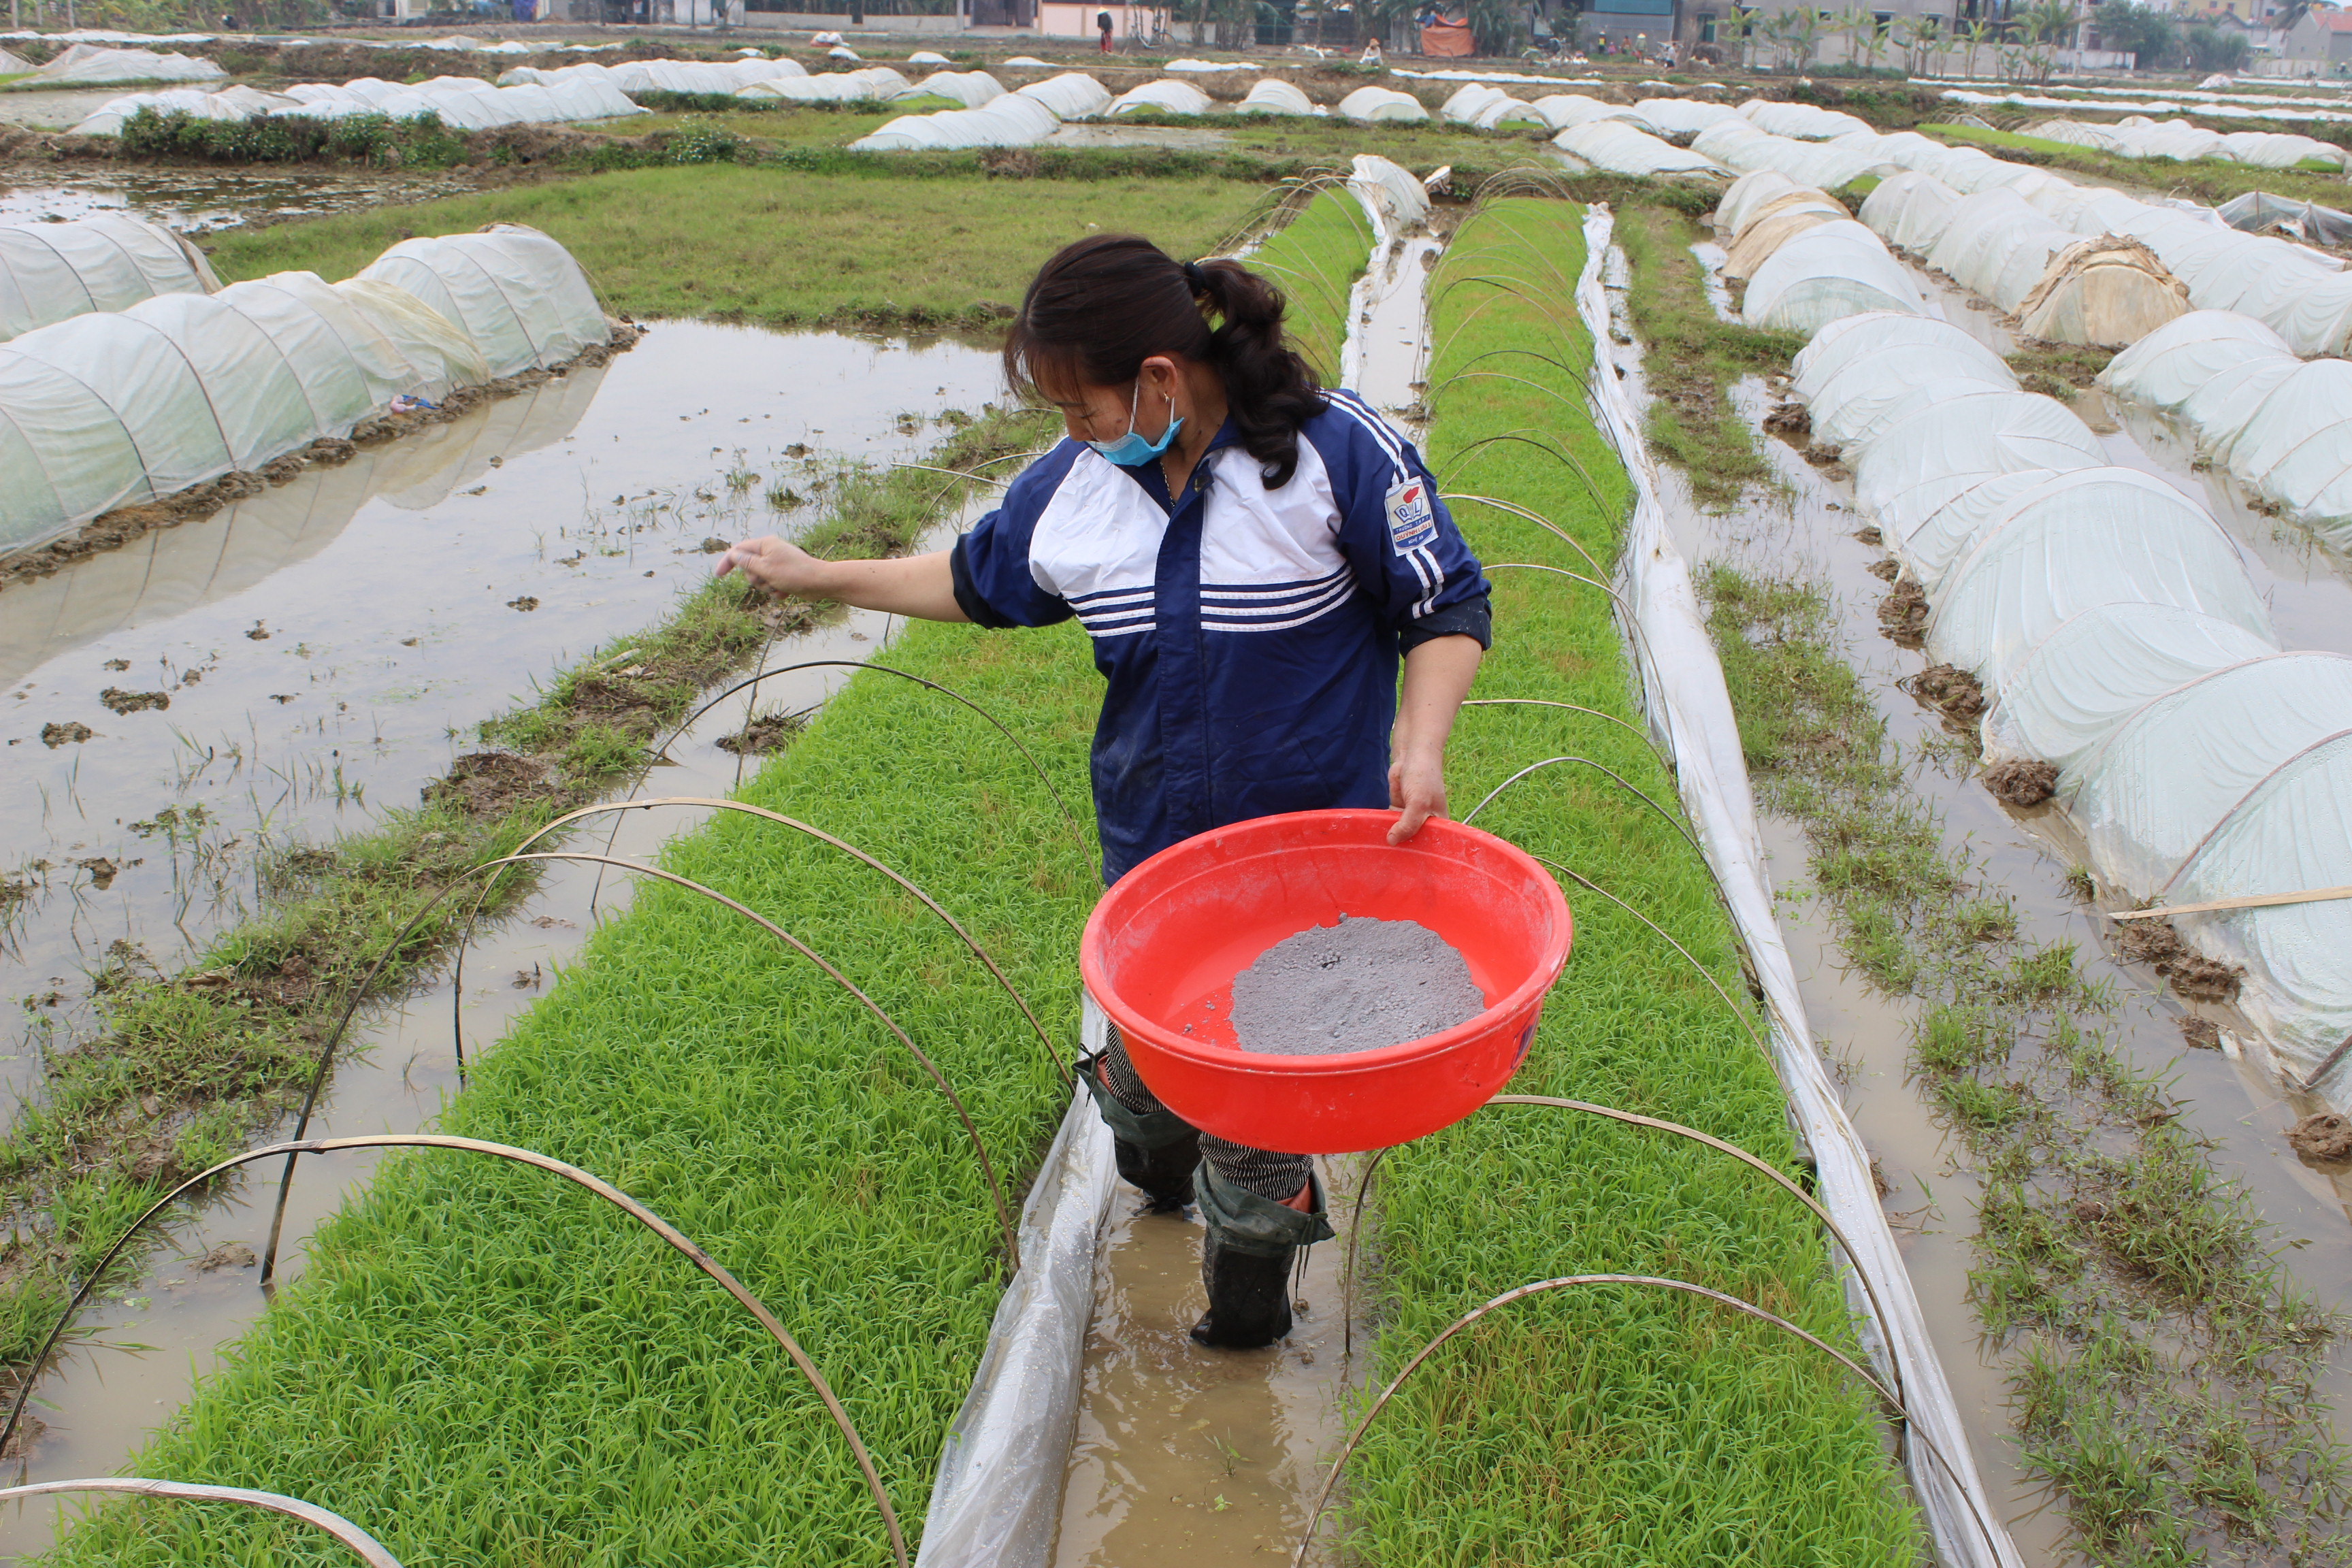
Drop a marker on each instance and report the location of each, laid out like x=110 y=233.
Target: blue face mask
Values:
x=1131 y=450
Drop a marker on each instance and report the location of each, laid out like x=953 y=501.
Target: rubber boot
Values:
x=1156 y=1149
x=1164 y=1173
x=1246 y=1258
x=1249 y=1295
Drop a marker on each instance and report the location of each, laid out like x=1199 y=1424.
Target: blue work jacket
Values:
x=1249 y=636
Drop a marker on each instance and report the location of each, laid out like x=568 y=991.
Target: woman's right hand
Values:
x=777 y=565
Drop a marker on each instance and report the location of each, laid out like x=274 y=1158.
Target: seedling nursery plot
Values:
x=1914 y=511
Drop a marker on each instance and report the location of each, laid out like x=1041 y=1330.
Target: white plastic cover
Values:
x=1561 y=110
x=1740 y=146
x=518 y=294
x=2291 y=832
x=1690 y=710
x=1774 y=225
x=1997 y=247
x=878 y=84
x=1804 y=121
x=51 y=271
x=1009 y=120
x=1616 y=147
x=1397 y=200
x=230 y=103
x=2165 y=368
x=1901 y=337
x=1681 y=116
x=1912 y=469
x=973 y=89
x=1876 y=392
x=1477 y=104
x=2296 y=450
x=1910 y=210
x=85 y=65
x=2137 y=136
x=1830 y=270
x=1072 y=95
x=928 y=58
x=1745 y=196
x=1372 y=104
x=2164 y=779
x=2098 y=537
x=113 y=408
x=1273 y=95
x=2097 y=668
x=1166 y=95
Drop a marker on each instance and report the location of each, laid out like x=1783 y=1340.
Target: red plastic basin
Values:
x=1161 y=949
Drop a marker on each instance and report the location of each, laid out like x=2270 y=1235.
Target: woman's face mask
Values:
x=1131 y=450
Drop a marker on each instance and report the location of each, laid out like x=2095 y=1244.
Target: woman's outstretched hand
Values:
x=776 y=565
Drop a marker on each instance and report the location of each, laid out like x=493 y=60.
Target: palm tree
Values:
x=1978 y=33
x=1800 y=35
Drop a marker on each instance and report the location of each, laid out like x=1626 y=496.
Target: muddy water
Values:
x=200 y=201
x=157 y=1336
x=1187 y=1456
x=2026 y=855
x=327 y=646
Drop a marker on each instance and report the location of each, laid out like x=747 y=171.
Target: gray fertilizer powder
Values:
x=1355 y=986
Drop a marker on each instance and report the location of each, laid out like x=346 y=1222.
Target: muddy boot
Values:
x=1246 y=1258
x=1164 y=1173
x=1156 y=1149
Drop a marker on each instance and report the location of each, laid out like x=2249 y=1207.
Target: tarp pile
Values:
x=461 y=102
x=2137 y=136
x=85 y=65
x=2281 y=424
x=50 y=272
x=2113 y=627
x=1009 y=120
x=115 y=408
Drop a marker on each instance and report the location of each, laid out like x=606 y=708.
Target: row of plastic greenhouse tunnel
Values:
x=142 y=376
x=2118 y=638
x=2000 y=229
x=2137 y=136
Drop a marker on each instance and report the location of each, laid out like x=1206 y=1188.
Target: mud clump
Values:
x=489 y=784
x=2023 y=782
x=2193 y=975
x=2323 y=1135
x=227 y=1255
x=1903 y=615
x=1949 y=689
x=69 y=733
x=1868 y=534
x=1793 y=424
x=2202 y=1033
x=118 y=701
x=770 y=732
x=1828 y=461
x=1885 y=571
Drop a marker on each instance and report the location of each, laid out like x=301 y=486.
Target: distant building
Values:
x=2322 y=40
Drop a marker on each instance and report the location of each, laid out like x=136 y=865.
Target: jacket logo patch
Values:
x=1413 y=520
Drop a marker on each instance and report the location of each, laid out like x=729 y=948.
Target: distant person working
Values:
x=1254 y=557
x=1102 y=20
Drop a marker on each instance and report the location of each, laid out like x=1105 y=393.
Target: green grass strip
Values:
x=779 y=248
x=484 y=1366
x=1600 y=1425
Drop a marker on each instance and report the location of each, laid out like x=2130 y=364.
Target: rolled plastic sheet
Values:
x=51 y=272
x=996 y=1499
x=1690 y=710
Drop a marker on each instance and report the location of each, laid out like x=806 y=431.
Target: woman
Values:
x=1251 y=556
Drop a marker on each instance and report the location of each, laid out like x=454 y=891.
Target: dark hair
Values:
x=1103 y=306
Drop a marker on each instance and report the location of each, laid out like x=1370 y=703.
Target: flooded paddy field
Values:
x=325 y=649
x=200 y=201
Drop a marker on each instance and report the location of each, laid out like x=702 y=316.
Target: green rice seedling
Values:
x=1574 y=1429
x=480 y=1369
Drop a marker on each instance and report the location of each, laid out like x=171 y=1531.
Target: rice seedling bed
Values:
x=1604 y=1425
x=483 y=1366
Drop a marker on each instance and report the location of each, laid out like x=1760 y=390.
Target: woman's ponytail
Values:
x=1101 y=307
x=1270 y=389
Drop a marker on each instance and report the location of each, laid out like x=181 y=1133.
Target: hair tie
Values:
x=1196 y=277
